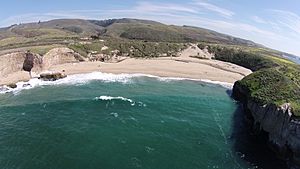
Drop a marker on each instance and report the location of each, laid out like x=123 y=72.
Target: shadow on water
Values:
x=253 y=147
x=229 y=92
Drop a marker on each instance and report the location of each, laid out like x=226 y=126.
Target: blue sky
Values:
x=273 y=23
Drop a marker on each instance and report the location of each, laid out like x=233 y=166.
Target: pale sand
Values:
x=183 y=67
x=163 y=67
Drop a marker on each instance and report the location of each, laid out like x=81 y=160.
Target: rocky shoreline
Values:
x=281 y=126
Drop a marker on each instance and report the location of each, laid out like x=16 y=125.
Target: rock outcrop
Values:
x=20 y=61
x=282 y=126
x=14 y=62
x=12 y=85
x=51 y=76
x=58 y=56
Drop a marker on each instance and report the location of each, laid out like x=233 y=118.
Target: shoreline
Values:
x=83 y=78
x=191 y=68
x=186 y=68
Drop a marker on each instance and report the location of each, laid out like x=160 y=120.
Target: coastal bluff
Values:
x=12 y=64
x=278 y=122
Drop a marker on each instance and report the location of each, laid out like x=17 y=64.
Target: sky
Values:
x=273 y=23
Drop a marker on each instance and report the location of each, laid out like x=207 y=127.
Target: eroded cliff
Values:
x=13 y=62
x=282 y=126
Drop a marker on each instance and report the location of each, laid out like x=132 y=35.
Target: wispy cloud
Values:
x=159 y=7
x=259 y=19
x=35 y=17
x=211 y=7
x=287 y=19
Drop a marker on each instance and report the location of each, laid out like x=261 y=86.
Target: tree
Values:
x=28 y=62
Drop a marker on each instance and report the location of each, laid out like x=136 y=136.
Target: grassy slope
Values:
x=132 y=48
x=275 y=80
x=56 y=31
x=146 y=38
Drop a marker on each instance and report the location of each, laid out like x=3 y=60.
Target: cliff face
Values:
x=278 y=121
x=14 y=62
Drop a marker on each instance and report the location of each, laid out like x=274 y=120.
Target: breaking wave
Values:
x=105 y=77
x=132 y=103
x=114 y=98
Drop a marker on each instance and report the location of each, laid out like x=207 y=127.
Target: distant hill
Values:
x=117 y=28
x=67 y=31
x=291 y=57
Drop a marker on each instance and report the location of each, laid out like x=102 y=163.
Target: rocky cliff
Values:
x=282 y=126
x=14 y=62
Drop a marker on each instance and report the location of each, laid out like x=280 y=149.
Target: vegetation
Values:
x=57 y=31
x=160 y=36
x=145 y=49
x=275 y=79
x=85 y=48
x=272 y=86
x=131 y=48
x=250 y=60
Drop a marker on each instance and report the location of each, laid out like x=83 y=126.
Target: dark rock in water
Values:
x=12 y=85
x=25 y=85
x=52 y=76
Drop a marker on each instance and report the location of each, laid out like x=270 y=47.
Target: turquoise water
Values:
x=138 y=123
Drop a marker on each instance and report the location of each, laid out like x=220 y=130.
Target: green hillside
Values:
x=58 y=31
x=275 y=80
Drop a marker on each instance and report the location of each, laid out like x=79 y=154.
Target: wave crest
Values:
x=132 y=103
x=114 y=98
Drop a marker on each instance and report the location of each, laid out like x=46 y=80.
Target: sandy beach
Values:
x=165 y=67
x=182 y=66
x=160 y=67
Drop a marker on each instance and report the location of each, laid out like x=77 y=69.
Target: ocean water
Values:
x=120 y=122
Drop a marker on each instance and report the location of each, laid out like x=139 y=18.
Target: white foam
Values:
x=224 y=84
x=105 y=77
x=132 y=103
x=115 y=114
x=114 y=98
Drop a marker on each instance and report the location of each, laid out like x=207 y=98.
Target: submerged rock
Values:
x=52 y=76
